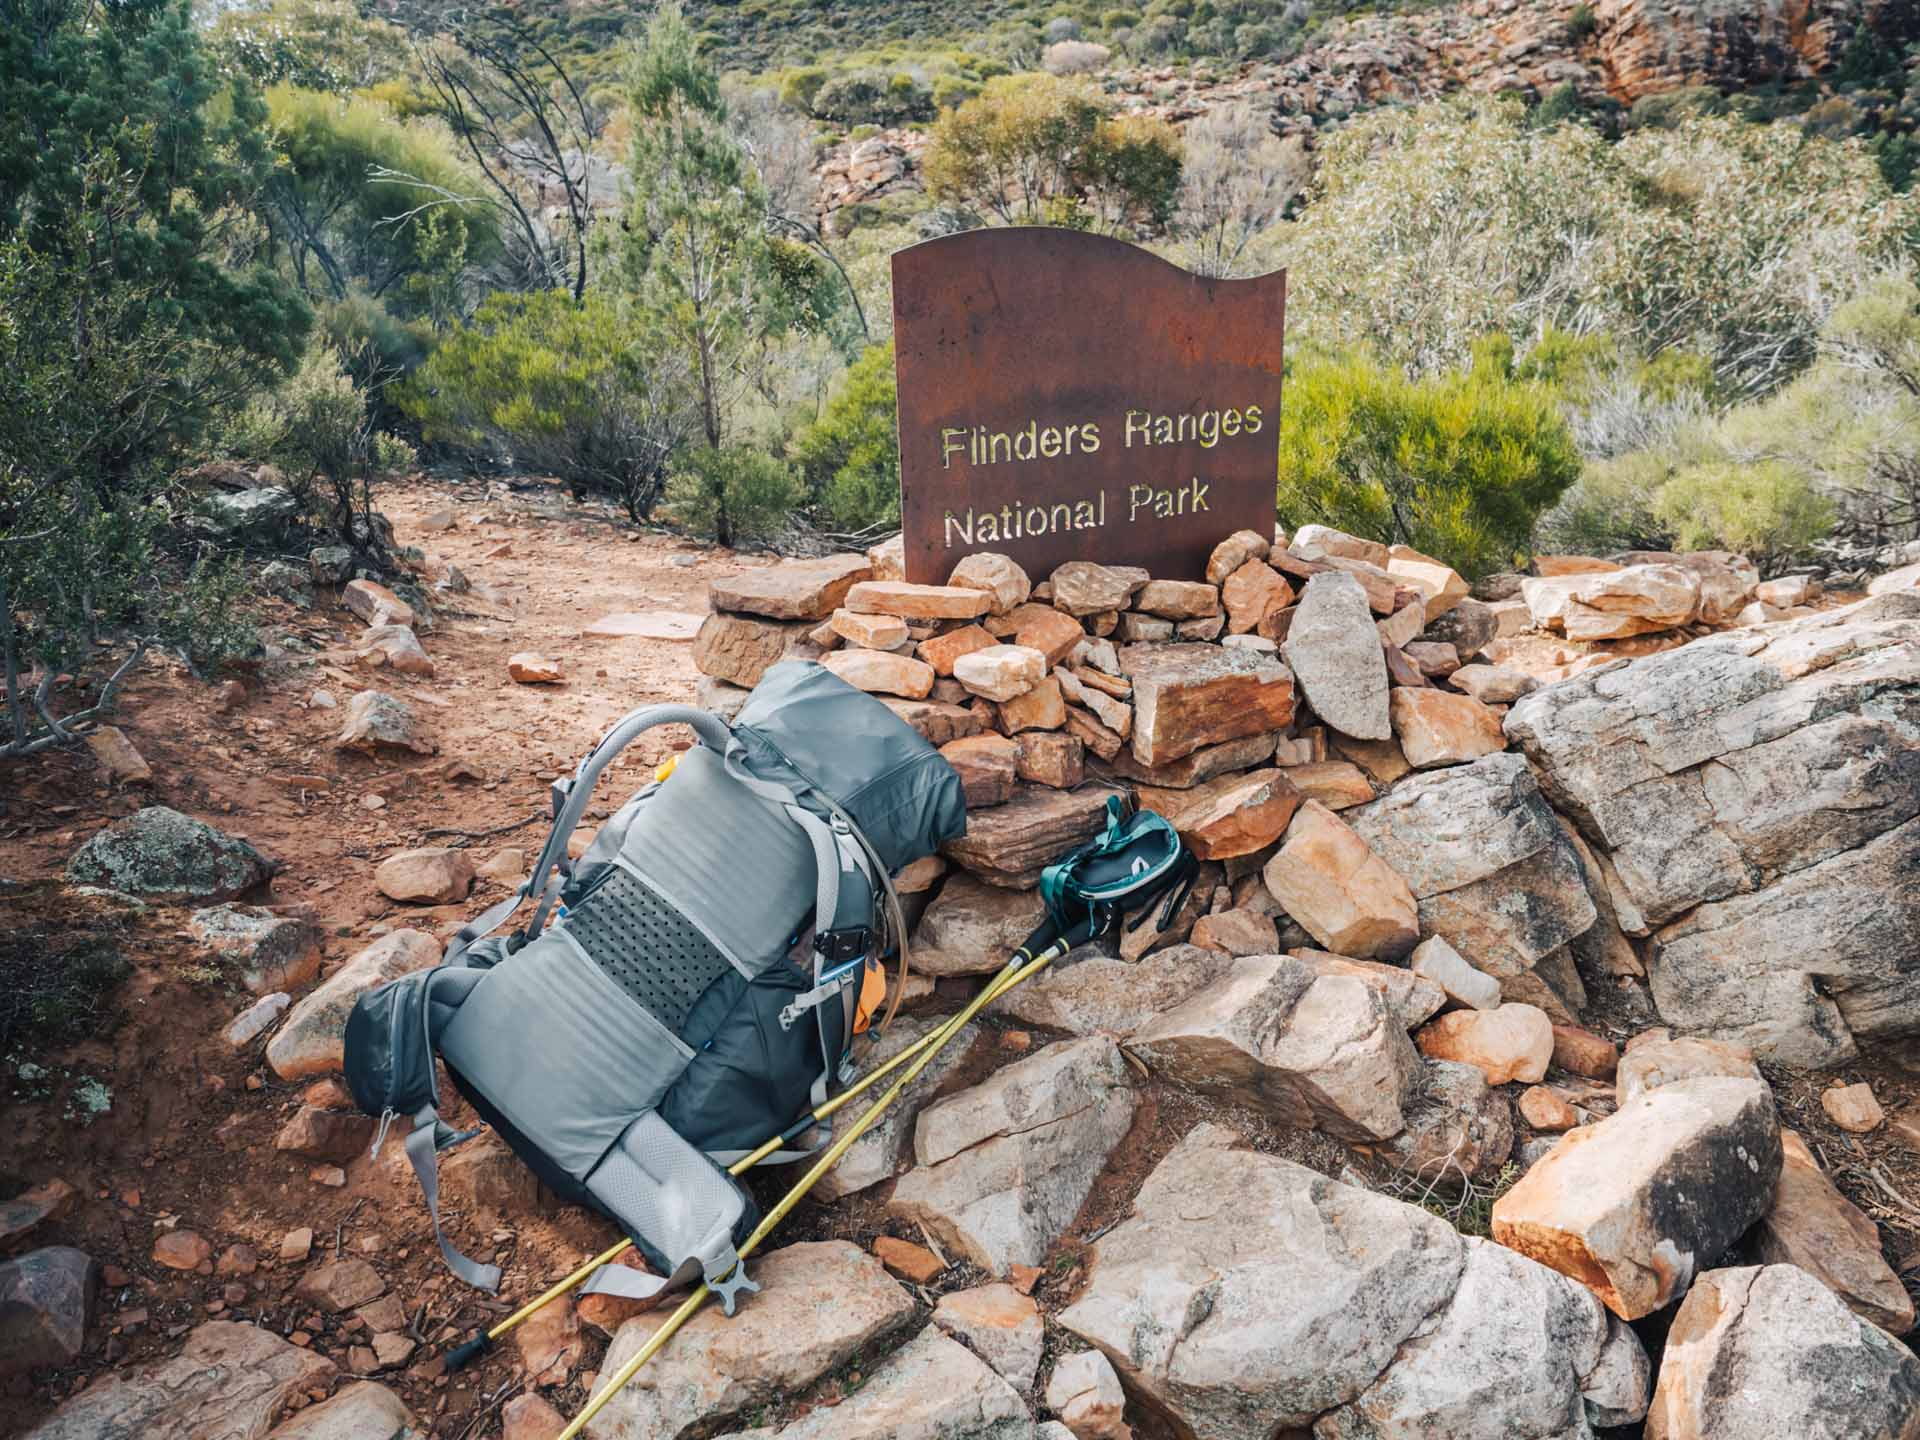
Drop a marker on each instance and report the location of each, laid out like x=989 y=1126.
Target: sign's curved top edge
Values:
x=986 y=233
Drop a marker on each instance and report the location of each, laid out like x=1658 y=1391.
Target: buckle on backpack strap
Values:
x=732 y=1285
x=851 y=942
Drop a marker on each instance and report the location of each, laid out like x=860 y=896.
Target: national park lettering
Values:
x=968 y=447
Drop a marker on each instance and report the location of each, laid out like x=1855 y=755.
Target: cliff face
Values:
x=1642 y=47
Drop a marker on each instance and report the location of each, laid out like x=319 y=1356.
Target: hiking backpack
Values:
x=696 y=989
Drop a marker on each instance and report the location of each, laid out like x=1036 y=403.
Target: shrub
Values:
x=1074 y=57
x=1458 y=465
x=873 y=97
x=800 y=85
x=1033 y=148
x=1431 y=227
x=850 y=456
x=1765 y=509
x=1581 y=23
x=573 y=390
x=734 y=493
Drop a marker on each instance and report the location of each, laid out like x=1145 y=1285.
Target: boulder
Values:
x=1004 y=1167
x=376 y=604
x=1660 y=595
x=876 y=1156
x=117 y=755
x=1248 y=1296
x=1317 y=542
x=1440 y=585
x=1251 y=593
x=1436 y=727
x=1458 y=1128
x=1852 y=1108
x=1493 y=684
x=973 y=927
x=1048 y=758
x=1635 y=1204
x=431 y=876
x=1663 y=1059
x=255 y=1020
x=46 y=1304
x=934 y=721
x=526 y=667
x=1237 y=932
x=1010 y=844
x=1096 y=993
x=377 y=722
x=1000 y=1325
x=1334 y=652
x=1411 y=999
x=1190 y=695
x=820 y=1304
x=1336 y=784
x=1547 y=1110
x=1041 y=627
x=931 y=1388
x=987 y=766
x=1347 y=897
x=918 y=602
x=740 y=649
x=228 y=1379
x=1001 y=672
x=1470 y=627
x=46 y=1202
x=1767 y=1352
x=361 y=1411
x=1231 y=816
x=1508 y=1043
x=1314 y=1050
x=483 y=1175
x=1085 y=1393
x=330 y=564
x=944 y=650
x=1434 y=959
x=1082 y=588
x=313 y=1040
x=164 y=857
x=1907 y=577
x=1178 y=599
x=1041 y=708
x=1581 y=1052
x=1486 y=861
x=1519 y=1352
x=1814 y=1226
x=879 y=673
x=1197 y=766
x=792 y=589
x=999 y=576
x=397 y=648
x=270 y=952
x=1233 y=552
x=1767 y=782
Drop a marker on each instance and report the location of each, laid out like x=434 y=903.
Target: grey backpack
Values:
x=694 y=992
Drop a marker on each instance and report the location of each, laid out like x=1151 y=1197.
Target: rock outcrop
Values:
x=1757 y=796
x=1248 y=1296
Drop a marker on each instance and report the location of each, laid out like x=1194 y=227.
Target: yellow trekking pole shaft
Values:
x=793 y=1197
x=466 y=1353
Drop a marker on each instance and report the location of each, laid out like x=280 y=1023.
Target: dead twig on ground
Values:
x=470 y=835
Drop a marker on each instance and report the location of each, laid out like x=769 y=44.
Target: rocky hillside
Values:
x=1527 y=1061
x=1610 y=52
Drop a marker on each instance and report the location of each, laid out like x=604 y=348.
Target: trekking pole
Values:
x=826 y=1162
x=471 y=1349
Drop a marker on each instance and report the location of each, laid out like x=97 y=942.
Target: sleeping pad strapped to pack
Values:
x=695 y=993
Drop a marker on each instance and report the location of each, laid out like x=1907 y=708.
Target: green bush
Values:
x=800 y=85
x=873 y=97
x=1458 y=465
x=733 y=493
x=577 y=391
x=1767 y=510
x=850 y=456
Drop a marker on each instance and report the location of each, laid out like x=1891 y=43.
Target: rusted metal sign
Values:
x=1064 y=396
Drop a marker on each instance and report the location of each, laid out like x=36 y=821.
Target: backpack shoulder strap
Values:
x=570 y=799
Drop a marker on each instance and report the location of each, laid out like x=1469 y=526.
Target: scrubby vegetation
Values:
x=327 y=239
